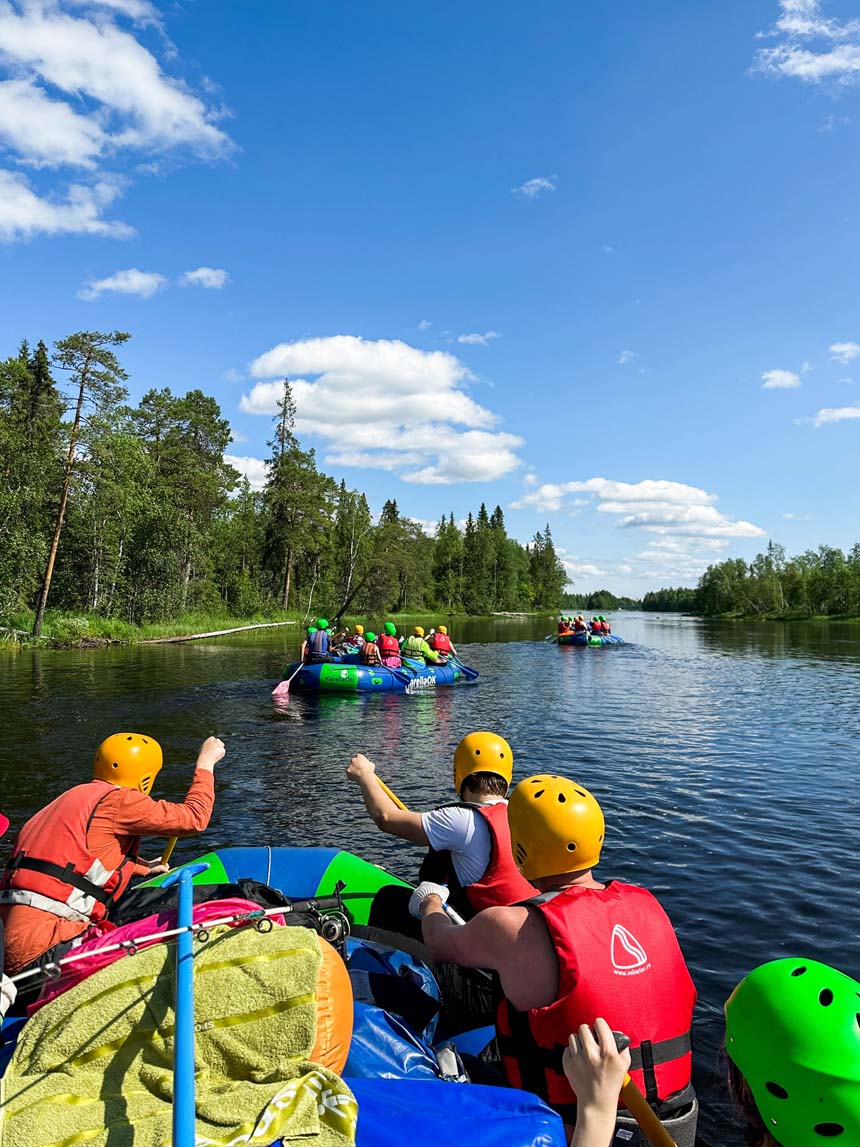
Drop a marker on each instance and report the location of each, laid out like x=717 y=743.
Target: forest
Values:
x=130 y=512
x=822 y=582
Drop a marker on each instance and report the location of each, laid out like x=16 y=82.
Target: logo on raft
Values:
x=421 y=683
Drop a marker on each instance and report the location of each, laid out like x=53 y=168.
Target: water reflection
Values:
x=724 y=755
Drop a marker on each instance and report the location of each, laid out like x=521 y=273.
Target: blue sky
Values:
x=596 y=264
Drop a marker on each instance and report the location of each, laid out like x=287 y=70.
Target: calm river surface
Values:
x=725 y=756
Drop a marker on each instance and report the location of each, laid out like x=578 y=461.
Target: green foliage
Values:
x=822 y=582
x=597 y=600
x=138 y=520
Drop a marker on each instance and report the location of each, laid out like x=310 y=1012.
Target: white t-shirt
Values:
x=464 y=832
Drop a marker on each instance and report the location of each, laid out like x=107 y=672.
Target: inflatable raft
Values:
x=347 y=675
x=593 y=639
x=410 y=1084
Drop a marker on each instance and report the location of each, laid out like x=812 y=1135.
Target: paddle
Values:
x=469 y=673
x=168 y=850
x=638 y=1105
x=283 y=687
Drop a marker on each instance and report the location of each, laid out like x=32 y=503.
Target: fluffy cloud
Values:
x=532 y=188
x=656 y=506
x=80 y=210
x=213 y=278
x=254 y=469
x=478 y=339
x=386 y=405
x=780 y=380
x=810 y=47
x=128 y=282
x=425 y=325
x=844 y=352
x=83 y=89
x=627 y=356
x=832 y=414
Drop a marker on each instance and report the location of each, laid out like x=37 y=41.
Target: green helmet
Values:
x=370 y=636
x=792 y=1032
x=311 y=630
x=391 y=629
x=322 y=623
x=601 y=618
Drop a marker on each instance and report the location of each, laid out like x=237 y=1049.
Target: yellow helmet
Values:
x=418 y=631
x=359 y=629
x=443 y=629
x=556 y=826
x=129 y=760
x=482 y=753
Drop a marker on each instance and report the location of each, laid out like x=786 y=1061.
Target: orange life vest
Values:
x=51 y=867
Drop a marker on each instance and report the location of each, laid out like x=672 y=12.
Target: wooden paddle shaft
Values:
x=168 y=850
x=390 y=794
x=638 y=1106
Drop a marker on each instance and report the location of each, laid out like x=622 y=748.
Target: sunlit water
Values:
x=724 y=755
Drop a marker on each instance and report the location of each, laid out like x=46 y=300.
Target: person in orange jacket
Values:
x=74 y=859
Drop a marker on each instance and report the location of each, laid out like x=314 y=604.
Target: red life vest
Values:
x=441 y=643
x=502 y=883
x=579 y=627
x=618 y=958
x=388 y=645
x=53 y=870
x=597 y=627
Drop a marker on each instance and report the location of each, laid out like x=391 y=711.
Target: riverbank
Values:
x=89 y=631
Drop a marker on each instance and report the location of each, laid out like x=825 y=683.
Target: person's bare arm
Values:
x=511 y=941
x=386 y=815
x=596 y=1070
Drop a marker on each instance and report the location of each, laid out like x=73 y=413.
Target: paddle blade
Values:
x=282 y=689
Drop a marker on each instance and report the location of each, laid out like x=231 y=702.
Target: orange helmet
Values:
x=129 y=760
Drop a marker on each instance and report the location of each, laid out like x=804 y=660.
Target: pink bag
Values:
x=161 y=922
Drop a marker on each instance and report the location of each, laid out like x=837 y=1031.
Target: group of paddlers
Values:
x=323 y=644
x=575 y=958
x=598 y=625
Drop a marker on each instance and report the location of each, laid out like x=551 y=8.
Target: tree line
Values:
x=131 y=512
x=824 y=581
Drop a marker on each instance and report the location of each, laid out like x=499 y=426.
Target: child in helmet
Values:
x=73 y=859
x=389 y=646
x=469 y=849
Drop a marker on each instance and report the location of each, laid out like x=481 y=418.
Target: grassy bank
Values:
x=81 y=631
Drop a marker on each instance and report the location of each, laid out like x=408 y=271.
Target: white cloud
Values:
x=811 y=47
x=789 y=517
x=254 y=469
x=627 y=356
x=844 y=352
x=213 y=278
x=127 y=282
x=233 y=375
x=654 y=505
x=43 y=132
x=477 y=339
x=831 y=414
x=24 y=213
x=82 y=90
x=832 y=122
x=805 y=366
x=780 y=380
x=532 y=188
x=425 y=325
x=399 y=408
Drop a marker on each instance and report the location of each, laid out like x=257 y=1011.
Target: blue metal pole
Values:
x=184 y=1107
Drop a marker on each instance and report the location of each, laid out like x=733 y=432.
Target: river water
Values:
x=724 y=755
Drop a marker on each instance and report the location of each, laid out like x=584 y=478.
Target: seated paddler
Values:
x=442 y=645
x=468 y=840
x=580 y=949
x=416 y=648
x=389 y=646
x=369 y=653
x=74 y=859
x=318 y=643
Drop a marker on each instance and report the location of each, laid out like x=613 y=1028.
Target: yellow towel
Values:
x=94 y=1068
